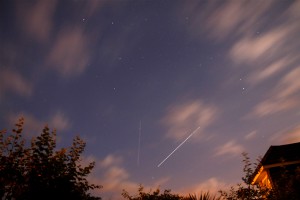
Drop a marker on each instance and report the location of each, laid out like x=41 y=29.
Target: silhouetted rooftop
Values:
x=282 y=153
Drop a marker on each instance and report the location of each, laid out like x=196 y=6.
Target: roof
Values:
x=288 y=154
x=282 y=153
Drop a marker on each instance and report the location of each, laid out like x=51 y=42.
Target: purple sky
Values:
x=116 y=71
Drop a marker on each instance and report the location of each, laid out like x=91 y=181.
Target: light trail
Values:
x=178 y=146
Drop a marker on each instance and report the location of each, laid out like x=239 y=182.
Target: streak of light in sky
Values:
x=178 y=146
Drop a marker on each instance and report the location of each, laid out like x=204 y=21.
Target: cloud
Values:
x=59 y=121
x=182 y=118
x=36 y=18
x=269 y=70
x=294 y=10
x=231 y=148
x=69 y=55
x=33 y=125
x=287 y=137
x=223 y=20
x=110 y=160
x=269 y=52
x=272 y=106
x=250 y=48
x=212 y=185
x=283 y=97
x=232 y=18
x=14 y=82
x=266 y=49
x=92 y=6
x=116 y=177
x=289 y=85
x=110 y=173
x=251 y=135
x=254 y=40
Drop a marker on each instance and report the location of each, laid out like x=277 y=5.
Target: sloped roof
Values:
x=282 y=153
x=289 y=153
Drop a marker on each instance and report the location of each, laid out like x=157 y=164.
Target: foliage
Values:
x=39 y=171
x=155 y=195
x=287 y=186
x=246 y=190
x=202 y=196
x=166 y=195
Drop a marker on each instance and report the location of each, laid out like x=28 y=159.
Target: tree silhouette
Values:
x=166 y=195
x=286 y=186
x=155 y=195
x=246 y=190
x=39 y=171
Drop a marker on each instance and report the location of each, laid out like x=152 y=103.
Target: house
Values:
x=279 y=161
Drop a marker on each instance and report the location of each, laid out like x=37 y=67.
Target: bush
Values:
x=39 y=171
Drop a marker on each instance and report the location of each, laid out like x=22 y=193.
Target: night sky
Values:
x=134 y=79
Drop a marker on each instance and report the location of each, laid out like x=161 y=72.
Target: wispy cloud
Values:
x=69 y=55
x=110 y=160
x=69 y=52
x=182 y=118
x=264 y=53
x=283 y=97
x=251 y=135
x=294 y=10
x=92 y=6
x=289 y=84
x=231 y=148
x=212 y=185
x=59 y=121
x=269 y=70
x=14 y=82
x=288 y=136
x=250 y=48
x=271 y=53
x=222 y=20
x=34 y=125
x=110 y=173
x=36 y=18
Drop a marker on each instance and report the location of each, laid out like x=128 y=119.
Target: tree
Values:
x=166 y=195
x=155 y=195
x=246 y=190
x=39 y=171
x=202 y=196
x=286 y=186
